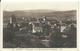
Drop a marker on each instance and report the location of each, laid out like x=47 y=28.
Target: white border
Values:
x=39 y=49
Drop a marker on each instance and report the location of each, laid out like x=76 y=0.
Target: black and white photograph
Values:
x=40 y=25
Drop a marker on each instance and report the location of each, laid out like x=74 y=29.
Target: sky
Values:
x=60 y=6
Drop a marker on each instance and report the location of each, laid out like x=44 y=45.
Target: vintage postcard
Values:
x=40 y=25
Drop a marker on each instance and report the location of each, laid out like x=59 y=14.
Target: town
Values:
x=40 y=32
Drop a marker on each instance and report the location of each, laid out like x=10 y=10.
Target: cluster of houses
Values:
x=36 y=24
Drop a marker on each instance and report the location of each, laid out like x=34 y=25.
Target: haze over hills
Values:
x=71 y=14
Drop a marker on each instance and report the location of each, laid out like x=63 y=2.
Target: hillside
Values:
x=61 y=15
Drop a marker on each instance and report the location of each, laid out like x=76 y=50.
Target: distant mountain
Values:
x=71 y=14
